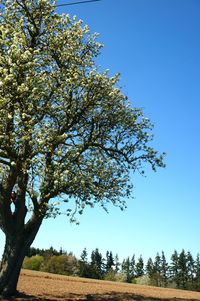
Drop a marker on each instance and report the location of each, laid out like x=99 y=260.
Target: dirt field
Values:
x=36 y=286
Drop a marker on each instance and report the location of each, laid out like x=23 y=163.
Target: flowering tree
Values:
x=66 y=130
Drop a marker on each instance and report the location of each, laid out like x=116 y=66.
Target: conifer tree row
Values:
x=182 y=271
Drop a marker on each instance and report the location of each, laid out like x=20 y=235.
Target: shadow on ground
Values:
x=113 y=296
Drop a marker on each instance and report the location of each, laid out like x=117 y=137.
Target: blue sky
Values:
x=155 y=45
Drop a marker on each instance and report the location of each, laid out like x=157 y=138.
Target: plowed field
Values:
x=43 y=286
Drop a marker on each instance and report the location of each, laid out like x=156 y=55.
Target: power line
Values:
x=79 y=2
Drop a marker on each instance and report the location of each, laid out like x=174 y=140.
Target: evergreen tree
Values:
x=164 y=270
x=174 y=269
x=182 y=269
x=197 y=273
x=139 y=268
x=132 y=267
x=84 y=267
x=33 y=252
x=52 y=252
x=157 y=270
x=97 y=264
x=126 y=269
x=84 y=255
x=109 y=261
x=117 y=263
x=190 y=271
x=150 y=270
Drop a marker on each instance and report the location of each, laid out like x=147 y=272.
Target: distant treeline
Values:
x=183 y=271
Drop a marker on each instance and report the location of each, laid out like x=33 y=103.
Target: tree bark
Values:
x=15 y=250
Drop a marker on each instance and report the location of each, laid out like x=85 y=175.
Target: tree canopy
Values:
x=65 y=128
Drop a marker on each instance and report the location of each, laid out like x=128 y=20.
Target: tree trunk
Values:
x=16 y=248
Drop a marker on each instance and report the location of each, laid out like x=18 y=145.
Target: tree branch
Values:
x=5 y=162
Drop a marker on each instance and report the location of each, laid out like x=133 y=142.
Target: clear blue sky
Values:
x=155 y=45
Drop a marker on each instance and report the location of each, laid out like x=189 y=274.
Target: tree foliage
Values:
x=33 y=263
x=67 y=131
x=181 y=272
x=65 y=128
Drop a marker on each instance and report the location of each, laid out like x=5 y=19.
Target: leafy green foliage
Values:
x=182 y=272
x=110 y=275
x=66 y=129
x=33 y=263
x=64 y=265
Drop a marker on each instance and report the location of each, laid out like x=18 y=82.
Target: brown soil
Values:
x=35 y=286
